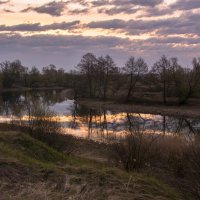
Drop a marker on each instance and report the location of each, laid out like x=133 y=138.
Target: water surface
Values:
x=96 y=124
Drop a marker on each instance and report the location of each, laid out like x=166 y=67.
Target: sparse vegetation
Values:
x=179 y=158
x=43 y=125
x=134 y=151
x=30 y=169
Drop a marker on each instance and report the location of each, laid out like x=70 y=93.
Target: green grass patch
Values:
x=22 y=148
x=29 y=150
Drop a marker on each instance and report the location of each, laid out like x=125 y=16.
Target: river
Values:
x=95 y=124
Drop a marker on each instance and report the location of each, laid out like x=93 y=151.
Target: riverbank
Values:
x=26 y=89
x=191 y=110
x=29 y=169
x=184 y=111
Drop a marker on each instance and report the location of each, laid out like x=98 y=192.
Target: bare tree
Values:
x=193 y=80
x=161 y=69
x=107 y=67
x=34 y=77
x=134 y=69
x=87 y=66
x=13 y=73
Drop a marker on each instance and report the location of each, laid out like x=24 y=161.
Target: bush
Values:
x=44 y=126
x=194 y=166
x=134 y=151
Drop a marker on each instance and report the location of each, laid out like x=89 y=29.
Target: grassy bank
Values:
x=29 y=169
x=187 y=111
x=25 y=89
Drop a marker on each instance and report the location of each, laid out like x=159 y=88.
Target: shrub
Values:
x=44 y=126
x=134 y=151
x=194 y=155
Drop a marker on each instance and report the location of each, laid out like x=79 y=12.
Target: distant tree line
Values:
x=166 y=81
x=99 y=77
x=15 y=75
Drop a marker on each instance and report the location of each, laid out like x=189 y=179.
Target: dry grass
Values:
x=175 y=159
x=36 y=171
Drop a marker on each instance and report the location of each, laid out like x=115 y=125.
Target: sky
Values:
x=43 y=32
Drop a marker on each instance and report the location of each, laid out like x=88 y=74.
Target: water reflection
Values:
x=105 y=125
x=96 y=124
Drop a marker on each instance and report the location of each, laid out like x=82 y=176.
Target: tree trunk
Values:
x=105 y=87
x=130 y=88
x=164 y=86
x=164 y=92
x=90 y=86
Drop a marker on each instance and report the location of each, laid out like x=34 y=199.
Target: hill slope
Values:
x=29 y=169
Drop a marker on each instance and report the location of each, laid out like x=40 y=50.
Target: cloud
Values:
x=124 y=6
x=132 y=26
x=61 y=41
x=53 y=8
x=65 y=51
x=148 y=3
x=108 y=24
x=83 y=42
x=8 y=11
x=186 y=5
x=180 y=5
x=174 y=40
x=185 y=24
x=45 y=49
x=80 y=2
x=39 y=27
x=4 y=2
x=117 y=10
x=100 y=3
x=78 y=11
x=149 y=7
x=156 y=12
x=176 y=34
x=56 y=9
x=188 y=23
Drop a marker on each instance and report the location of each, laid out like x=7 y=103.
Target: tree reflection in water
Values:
x=108 y=126
x=98 y=124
